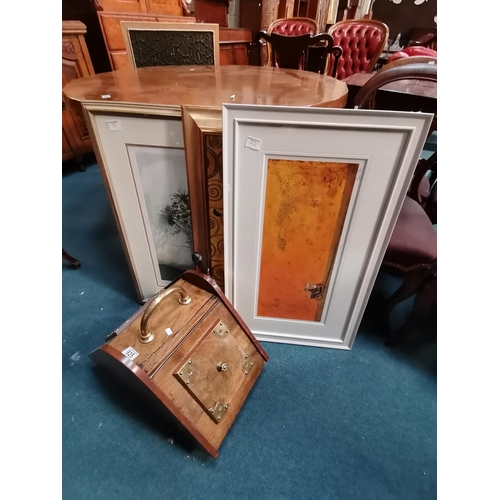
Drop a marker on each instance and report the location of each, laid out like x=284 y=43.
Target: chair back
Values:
x=171 y=44
x=293 y=26
x=319 y=59
x=292 y=52
x=365 y=99
x=362 y=41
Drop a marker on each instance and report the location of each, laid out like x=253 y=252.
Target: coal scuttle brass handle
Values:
x=184 y=299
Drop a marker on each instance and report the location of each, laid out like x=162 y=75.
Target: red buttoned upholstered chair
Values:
x=362 y=41
x=291 y=26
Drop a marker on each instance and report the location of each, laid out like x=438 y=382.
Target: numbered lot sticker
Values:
x=130 y=352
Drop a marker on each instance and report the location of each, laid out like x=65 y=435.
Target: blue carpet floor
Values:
x=319 y=423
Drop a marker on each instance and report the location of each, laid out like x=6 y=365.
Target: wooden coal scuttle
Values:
x=188 y=351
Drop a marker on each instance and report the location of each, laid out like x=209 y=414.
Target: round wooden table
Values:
x=196 y=95
x=209 y=86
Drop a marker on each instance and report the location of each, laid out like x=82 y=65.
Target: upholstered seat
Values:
x=362 y=41
x=414 y=240
x=414 y=51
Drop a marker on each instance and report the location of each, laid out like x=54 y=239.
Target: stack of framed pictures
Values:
x=292 y=208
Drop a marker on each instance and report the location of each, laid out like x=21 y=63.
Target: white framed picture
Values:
x=142 y=160
x=311 y=196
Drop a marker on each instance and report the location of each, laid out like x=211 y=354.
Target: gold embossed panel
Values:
x=159 y=47
x=305 y=207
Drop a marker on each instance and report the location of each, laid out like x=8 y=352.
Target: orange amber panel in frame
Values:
x=305 y=208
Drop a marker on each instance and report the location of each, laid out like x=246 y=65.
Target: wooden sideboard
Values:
x=234 y=43
x=169 y=7
x=212 y=11
x=205 y=11
x=76 y=63
x=113 y=37
x=234 y=46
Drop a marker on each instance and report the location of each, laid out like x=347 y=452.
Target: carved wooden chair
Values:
x=290 y=26
x=70 y=260
x=412 y=248
x=171 y=44
x=292 y=52
x=424 y=191
x=362 y=41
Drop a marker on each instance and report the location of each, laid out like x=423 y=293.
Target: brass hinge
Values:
x=247 y=364
x=217 y=411
x=186 y=371
x=221 y=329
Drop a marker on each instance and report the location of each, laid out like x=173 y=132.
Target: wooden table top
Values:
x=419 y=88
x=209 y=86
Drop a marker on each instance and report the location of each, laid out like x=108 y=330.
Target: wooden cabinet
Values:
x=234 y=54
x=168 y=7
x=234 y=43
x=76 y=63
x=112 y=12
x=113 y=37
x=251 y=15
x=211 y=11
x=256 y=15
x=234 y=46
x=313 y=9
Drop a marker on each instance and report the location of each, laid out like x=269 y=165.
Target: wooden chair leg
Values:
x=81 y=165
x=426 y=297
x=70 y=260
x=411 y=283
